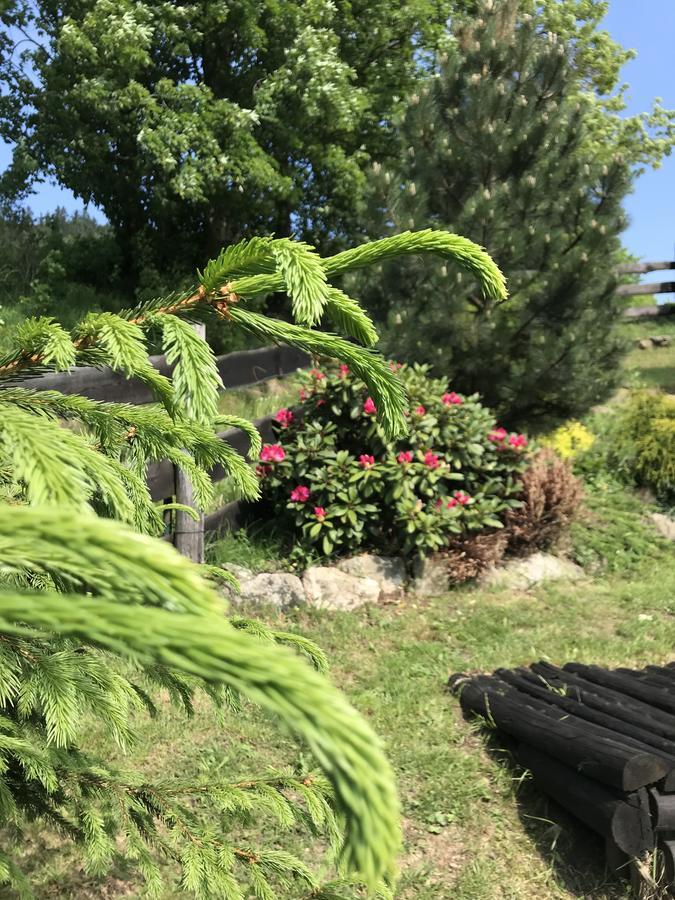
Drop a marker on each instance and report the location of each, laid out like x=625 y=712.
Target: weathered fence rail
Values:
x=240 y=369
x=646 y=290
x=237 y=370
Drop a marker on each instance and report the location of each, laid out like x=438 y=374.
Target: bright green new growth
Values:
x=94 y=617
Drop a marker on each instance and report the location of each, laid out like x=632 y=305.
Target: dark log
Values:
x=662 y=809
x=625 y=684
x=617 y=860
x=588 y=749
x=663 y=671
x=599 y=731
x=667 y=849
x=578 y=708
x=650 y=678
x=626 y=824
x=615 y=703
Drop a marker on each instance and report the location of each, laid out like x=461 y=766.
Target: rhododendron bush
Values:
x=336 y=484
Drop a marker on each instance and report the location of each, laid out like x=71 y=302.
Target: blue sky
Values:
x=648 y=26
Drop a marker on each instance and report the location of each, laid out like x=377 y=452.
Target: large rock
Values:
x=431 y=577
x=280 y=589
x=241 y=573
x=664 y=525
x=329 y=588
x=388 y=572
x=644 y=344
x=522 y=574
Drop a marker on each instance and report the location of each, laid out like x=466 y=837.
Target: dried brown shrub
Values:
x=551 y=498
x=468 y=556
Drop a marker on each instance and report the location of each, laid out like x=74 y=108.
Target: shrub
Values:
x=639 y=444
x=339 y=484
x=551 y=496
x=570 y=440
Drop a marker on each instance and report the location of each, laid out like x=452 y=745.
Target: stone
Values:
x=280 y=589
x=645 y=344
x=389 y=572
x=523 y=574
x=327 y=587
x=661 y=340
x=664 y=525
x=239 y=572
x=431 y=577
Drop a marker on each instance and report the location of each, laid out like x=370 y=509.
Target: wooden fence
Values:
x=241 y=369
x=642 y=290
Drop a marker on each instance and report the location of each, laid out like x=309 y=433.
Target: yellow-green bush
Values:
x=570 y=440
x=641 y=442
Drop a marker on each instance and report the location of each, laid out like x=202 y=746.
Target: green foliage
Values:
x=612 y=534
x=337 y=482
x=643 y=139
x=269 y=130
x=95 y=618
x=500 y=152
x=638 y=443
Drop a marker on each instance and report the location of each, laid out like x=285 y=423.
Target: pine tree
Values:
x=495 y=146
x=96 y=613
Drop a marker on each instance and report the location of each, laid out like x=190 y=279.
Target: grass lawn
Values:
x=653 y=368
x=473 y=831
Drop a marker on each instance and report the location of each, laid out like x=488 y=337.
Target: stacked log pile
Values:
x=601 y=743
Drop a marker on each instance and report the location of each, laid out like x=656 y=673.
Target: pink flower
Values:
x=451 y=502
x=462 y=498
x=262 y=471
x=439 y=503
x=343 y=370
x=284 y=417
x=300 y=494
x=452 y=399
x=273 y=453
x=518 y=441
x=320 y=513
x=431 y=460
x=405 y=456
x=497 y=435
x=316 y=374
x=303 y=394
x=366 y=461
x=394 y=366
x=369 y=407
x=419 y=410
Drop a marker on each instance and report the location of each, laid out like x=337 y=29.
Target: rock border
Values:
x=368 y=579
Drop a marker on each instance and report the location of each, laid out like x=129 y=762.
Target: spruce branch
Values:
x=208 y=647
x=195 y=377
x=226 y=422
x=384 y=387
x=464 y=252
x=349 y=318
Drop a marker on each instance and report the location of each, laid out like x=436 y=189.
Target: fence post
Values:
x=188 y=534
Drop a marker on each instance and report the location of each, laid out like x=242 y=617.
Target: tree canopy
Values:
x=497 y=145
x=193 y=124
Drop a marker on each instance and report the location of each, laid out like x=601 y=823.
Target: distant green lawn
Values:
x=652 y=368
